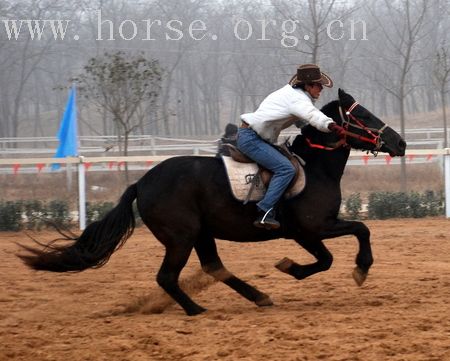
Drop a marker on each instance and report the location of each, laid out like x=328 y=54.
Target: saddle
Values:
x=249 y=181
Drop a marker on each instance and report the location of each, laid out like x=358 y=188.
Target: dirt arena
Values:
x=402 y=312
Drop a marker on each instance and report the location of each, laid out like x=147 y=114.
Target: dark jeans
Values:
x=252 y=145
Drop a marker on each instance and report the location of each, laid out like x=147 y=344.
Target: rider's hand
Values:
x=336 y=129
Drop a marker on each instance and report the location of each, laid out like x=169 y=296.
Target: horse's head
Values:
x=366 y=130
x=363 y=130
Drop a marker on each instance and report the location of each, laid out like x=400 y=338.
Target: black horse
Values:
x=187 y=203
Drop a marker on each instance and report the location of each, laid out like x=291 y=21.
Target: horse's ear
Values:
x=345 y=99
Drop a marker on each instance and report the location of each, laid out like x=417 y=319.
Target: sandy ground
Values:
x=402 y=312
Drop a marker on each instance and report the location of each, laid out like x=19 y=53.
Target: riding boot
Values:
x=266 y=220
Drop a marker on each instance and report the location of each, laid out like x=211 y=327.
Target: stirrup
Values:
x=267 y=221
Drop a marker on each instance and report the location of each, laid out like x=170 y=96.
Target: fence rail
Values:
x=159 y=158
x=432 y=138
x=32 y=165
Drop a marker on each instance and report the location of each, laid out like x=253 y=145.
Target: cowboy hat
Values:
x=310 y=73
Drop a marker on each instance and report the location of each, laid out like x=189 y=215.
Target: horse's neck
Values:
x=329 y=163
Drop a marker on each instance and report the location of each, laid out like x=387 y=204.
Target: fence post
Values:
x=153 y=145
x=81 y=193
x=447 y=181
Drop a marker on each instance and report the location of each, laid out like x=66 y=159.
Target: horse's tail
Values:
x=94 y=246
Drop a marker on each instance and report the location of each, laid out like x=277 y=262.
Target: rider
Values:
x=260 y=130
x=228 y=138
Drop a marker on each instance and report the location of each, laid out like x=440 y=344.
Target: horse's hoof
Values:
x=359 y=276
x=263 y=302
x=284 y=264
x=196 y=311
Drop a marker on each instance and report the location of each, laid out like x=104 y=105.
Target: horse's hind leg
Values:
x=318 y=250
x=207 y=253
x=168 y=275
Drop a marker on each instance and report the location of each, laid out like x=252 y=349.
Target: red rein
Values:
x=342 y=142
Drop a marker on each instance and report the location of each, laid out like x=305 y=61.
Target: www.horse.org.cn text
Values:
x=287 y=32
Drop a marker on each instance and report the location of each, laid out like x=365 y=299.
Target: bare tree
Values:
x=121 y=84
x=402 y=24
x=442 y=77
x=21 y=61
x=314 y=18
x=210 y=82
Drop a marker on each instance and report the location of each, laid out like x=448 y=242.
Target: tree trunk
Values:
x=125 y=153
x=403 y=175
x=444 y=115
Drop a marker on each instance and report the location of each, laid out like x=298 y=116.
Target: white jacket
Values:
x=280 y=109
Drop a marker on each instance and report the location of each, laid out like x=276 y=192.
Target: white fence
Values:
x=34 y=155
x=86 y=162
x=109 y=145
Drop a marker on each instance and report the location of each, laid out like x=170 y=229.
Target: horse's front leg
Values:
x=364 y=258
x=318 y=250
x=338 y=228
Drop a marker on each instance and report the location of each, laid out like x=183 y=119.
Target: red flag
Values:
x=111 y=165
x=411 y=157
x=16 y=168
x=149 y=163
x=87 y=165
x=365 y=159
x=39 y=167
x=429 y=157
x=388 y=159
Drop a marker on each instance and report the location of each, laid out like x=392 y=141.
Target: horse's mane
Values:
x=330 y=108
x=299 y=145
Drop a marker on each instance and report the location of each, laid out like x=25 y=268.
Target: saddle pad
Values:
x=240 y=176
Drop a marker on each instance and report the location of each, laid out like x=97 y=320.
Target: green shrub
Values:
x=58 y=212
x=10 y=216
x=383 y=205
x=376 y=207
x=417 y=209
x=435 y=203
x=34 y=212
x=96 y=211
x=353 y=205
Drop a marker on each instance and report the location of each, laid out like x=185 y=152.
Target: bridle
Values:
x=373 y=135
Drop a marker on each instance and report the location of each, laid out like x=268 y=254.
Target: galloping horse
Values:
x=187 y=203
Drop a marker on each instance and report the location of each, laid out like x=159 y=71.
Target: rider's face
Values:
x=314 y=90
